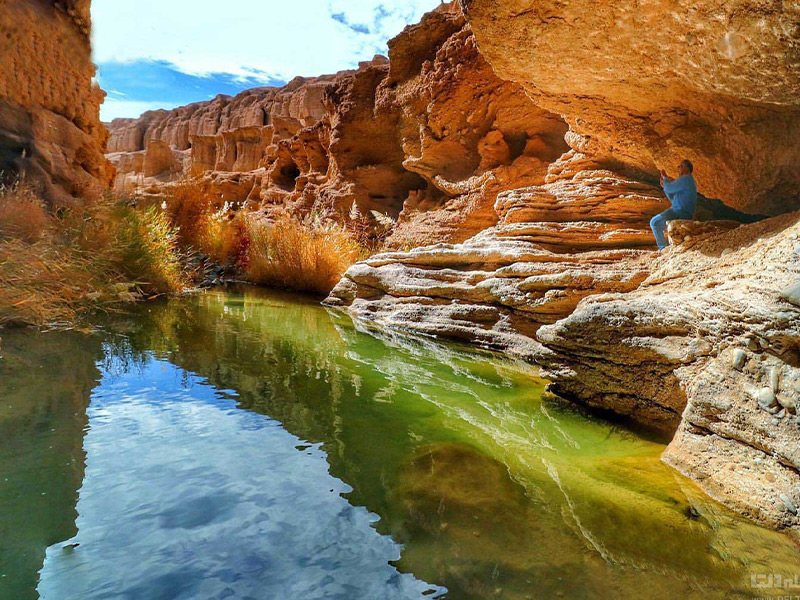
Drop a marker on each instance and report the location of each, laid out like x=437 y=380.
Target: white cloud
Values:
x=280 y=38
x=113 y=108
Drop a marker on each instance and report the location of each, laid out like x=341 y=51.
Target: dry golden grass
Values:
x=309 y=255
x=190 y=206
x=42 y=284
x=23 y=215
x=146 y=249
x=226 y=239
x=53 y=269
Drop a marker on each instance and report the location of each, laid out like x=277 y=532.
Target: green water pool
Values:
x=247 y=444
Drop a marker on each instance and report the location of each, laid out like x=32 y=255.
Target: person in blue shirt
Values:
x=682 y=192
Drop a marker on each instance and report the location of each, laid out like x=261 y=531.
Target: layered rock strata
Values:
x=707 y=344
x=429 y=137
x=50 y=130
x=583 y=232
x=702 y=341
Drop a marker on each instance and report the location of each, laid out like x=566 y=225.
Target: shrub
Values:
x=306 y=255
x=148 y=250
x=54 y=268
x=23 y=215
x=190 y=206
x=226 y=239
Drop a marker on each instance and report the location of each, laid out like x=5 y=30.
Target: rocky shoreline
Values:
x=517 y=148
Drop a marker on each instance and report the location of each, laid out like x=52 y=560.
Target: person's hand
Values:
x=663 y=174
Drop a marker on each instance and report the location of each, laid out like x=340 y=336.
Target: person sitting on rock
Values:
x=682 y=192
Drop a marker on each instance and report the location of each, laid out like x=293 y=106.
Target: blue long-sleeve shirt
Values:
x=682 y=192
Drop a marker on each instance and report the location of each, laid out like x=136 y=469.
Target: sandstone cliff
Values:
x=655 y=82
x=519 y=151
x=430 y=136
x=50 y=129
x=702 y=340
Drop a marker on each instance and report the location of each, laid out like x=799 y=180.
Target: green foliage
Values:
x=148 y=250
x=55 y=265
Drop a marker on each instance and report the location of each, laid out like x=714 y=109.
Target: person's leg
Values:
x=659 y=224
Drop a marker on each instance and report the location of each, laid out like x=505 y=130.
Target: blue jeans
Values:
x=659 y=224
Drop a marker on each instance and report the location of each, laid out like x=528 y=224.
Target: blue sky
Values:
x=166 y=53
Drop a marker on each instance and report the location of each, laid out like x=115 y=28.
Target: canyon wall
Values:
x=50 y=128
x=702 y=342
x=651 y=83
x=517 y=145
x=428 y=137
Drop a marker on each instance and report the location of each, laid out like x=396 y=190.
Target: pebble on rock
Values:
x=792 y=294
x=788 y=503
x=786 y=403
x=775 y=379
x=739 y=358
x=766 y=398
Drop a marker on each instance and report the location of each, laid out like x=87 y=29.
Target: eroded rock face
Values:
x=653 y=83
x=468 y=134
x=583 y=232
x=226 y=141
x=429 y=136
x=50 y=129
x=707 y=344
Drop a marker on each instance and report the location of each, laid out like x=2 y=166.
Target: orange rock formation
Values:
x=430 y=136
x=519 y=148
x=49 y=107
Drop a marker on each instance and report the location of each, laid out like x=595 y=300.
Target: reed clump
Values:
x=309 y=254
x=57 y=264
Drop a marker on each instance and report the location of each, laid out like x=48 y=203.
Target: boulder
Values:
x=705 y=347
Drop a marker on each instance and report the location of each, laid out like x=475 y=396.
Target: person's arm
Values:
x=670 y=186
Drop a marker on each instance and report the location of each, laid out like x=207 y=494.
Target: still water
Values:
x=246 y=444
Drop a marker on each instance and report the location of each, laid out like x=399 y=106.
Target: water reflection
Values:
x=45 y=383
x=186 y=496
x=492 y=492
